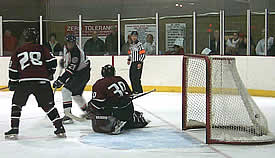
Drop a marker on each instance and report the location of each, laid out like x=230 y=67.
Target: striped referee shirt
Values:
x=136 y=52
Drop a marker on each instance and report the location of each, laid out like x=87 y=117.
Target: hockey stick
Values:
x=72 y=116
x=142 y=94
x=113 y=108
x=4 y=88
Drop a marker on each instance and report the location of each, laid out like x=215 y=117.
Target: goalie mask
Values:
x=108 y=71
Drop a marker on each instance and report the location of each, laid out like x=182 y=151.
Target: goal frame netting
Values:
x=207 y=93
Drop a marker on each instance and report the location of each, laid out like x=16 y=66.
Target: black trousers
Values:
x=78 y=81
x=40 y=89
x=135 y=76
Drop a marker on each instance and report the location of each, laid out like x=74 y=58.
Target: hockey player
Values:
x=111 y=107
x=30 y=71
x=75 y=77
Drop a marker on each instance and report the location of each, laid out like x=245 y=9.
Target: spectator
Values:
x=94 y=46
x=215 y=43
x=231 y=44
x=178 y=48
x=54 y=46
x=242 y=45
x=10 y=43
x=111 y=42
x=126 y=46
x=271 y=52
x=260 y=48
x=149 y=45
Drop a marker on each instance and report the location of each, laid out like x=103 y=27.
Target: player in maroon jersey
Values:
x=111 y=106
x=30 y=71
x=74 y=79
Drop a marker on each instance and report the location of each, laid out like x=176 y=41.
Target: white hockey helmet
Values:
x=206 y=51
x=179 y=42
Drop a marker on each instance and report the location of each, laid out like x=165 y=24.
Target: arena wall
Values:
x=165 y=72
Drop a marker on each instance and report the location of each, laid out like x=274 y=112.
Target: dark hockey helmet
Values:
x=31 y=34
x=134 y=33
x=70 y=38
x=108 y=70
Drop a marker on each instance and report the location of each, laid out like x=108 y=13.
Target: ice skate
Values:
x=147 y=122
x=12 y=134
x=118 y=127
x=60 y=132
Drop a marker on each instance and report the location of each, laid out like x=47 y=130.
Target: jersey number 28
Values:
x=29 y=58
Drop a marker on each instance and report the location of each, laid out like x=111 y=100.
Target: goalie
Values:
x=111 y=108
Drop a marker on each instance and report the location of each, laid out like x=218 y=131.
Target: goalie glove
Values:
x=12 y=85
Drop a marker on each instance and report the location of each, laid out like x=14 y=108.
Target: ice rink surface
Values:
x=162 y=138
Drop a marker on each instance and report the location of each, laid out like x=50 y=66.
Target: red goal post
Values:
x=214 y=97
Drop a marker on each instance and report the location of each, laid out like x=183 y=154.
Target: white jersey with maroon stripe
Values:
x=75 y=60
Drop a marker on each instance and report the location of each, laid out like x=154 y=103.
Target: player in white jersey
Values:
x=75 y=77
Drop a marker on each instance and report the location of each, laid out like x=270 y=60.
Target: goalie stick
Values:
x=131 y=97
x=142 y=94
x=72 y=116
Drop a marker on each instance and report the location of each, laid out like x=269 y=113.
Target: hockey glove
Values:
x=57 y=84
x=50 y=77
x=51 y=73
x=12 y=85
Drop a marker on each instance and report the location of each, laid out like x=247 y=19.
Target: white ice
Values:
x=162 y=139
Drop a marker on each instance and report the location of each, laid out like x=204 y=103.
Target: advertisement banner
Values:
x=102 y=31
x=142 y=29
x=173 y=32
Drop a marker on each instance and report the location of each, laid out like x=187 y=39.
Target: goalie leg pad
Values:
x=104 y=124
x=137 y=121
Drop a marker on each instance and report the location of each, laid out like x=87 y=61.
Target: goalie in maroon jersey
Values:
x=111 y=108
x=30 y=71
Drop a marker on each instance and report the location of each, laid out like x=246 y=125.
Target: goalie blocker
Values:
x=111 y=108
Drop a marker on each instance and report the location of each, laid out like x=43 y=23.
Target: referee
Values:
x=136 y=56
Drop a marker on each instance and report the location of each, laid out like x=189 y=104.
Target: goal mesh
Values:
x=215 y=97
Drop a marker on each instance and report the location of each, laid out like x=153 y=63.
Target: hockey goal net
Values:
x=215 y=98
